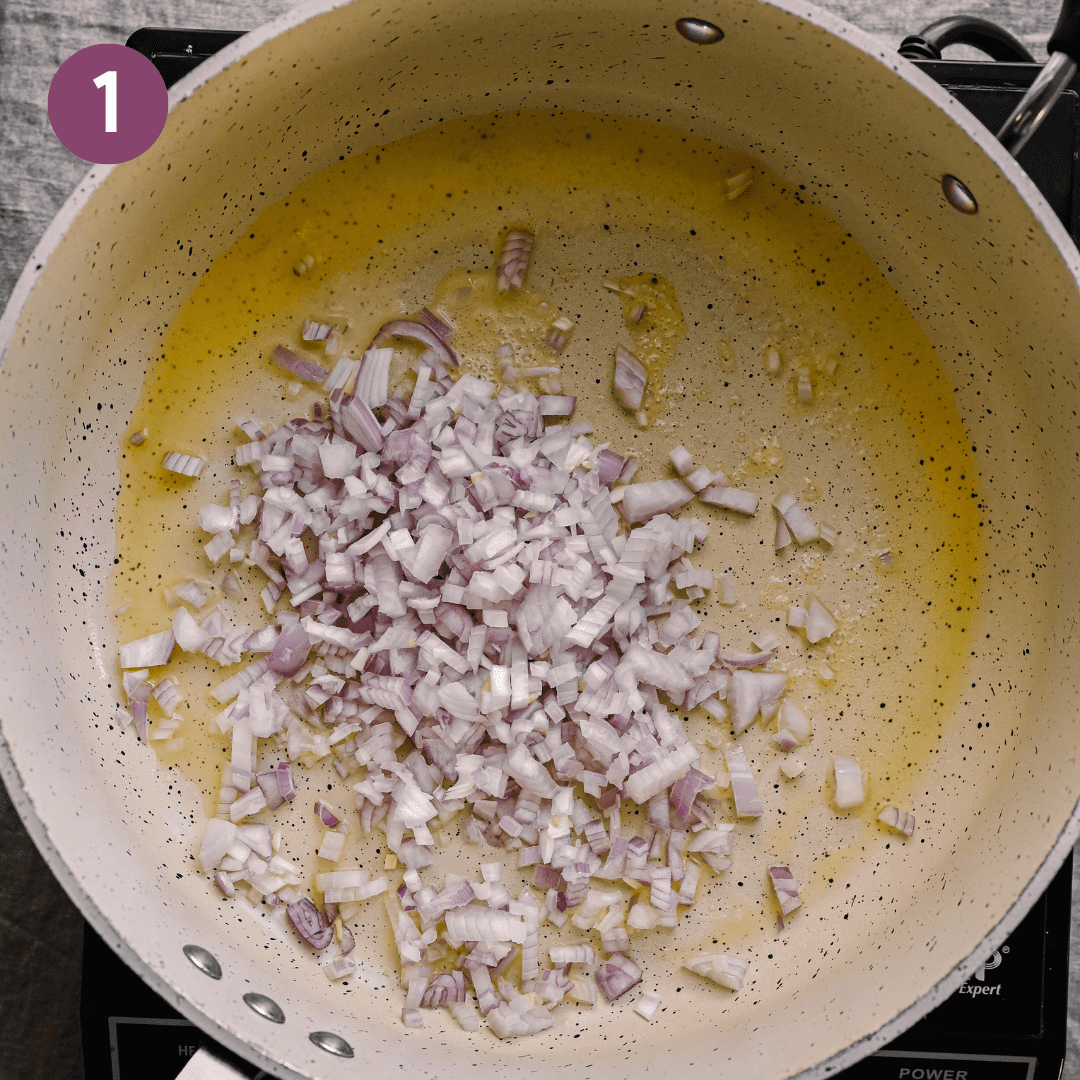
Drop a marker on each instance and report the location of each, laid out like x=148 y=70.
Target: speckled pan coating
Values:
x=818 y=102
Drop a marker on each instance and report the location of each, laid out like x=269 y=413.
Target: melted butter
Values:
x=880 y=450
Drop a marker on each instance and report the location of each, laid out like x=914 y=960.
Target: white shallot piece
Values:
x=460 y=624
x=699 y=479
x=747 y=800
x=151 y=651
x=850 y=782
x=900 y=820
x=751 y=693
x=797 y=521
x=681 y=459
x=507 y=1021
x=792 y=767
x=643 y=501
x=723 y=968
x=792 y=726
x=730 y=498
x=819 y=623
x=647 y=1004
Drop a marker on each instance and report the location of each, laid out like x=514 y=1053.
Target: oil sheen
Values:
x=879 y=452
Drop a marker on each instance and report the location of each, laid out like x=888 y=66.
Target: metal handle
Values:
x=972 y=30
x=206 y=1064
x=1037 y=102
x=1066 y=35
x=1064 y=49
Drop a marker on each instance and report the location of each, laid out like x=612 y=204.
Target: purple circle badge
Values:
x=107 y=104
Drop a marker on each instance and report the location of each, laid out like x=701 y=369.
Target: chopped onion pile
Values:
x=462 y=625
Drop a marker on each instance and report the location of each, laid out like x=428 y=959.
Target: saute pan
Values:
x=823 y=107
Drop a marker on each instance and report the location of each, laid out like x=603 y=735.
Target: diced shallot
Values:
x=747 y=800
x=643 y=501
x=183 y=464
x=850 y=782
x=461 y=624
x=572 y=954
x=819 y=623
x=786 y=888
x=900 y=820
x=285 y=781
x=310 y=924
x=723 y=968
x=218 y=838
x=745 y=502
x=681 y=459
x=506 y=1021
x=618 y=976
x=514 y=260
x=148 y=652
x=299 y=366
x=557 y=405
x=373 y=379
x=629 y=380
x=647 y=1004
x=290 y=650
x=800 y=524
x=422 y=332
x=804 y=386
x=792 y=726
x=475 y=923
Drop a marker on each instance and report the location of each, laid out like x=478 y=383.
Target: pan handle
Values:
x=1066 y=35
x=211 y=1064
x=972 y=30
x=1064 y=49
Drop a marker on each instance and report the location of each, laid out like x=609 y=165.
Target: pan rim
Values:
x=95 y=177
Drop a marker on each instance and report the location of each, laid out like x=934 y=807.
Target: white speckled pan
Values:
x=818 y=102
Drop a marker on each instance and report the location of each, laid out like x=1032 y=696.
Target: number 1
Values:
x=108 y=80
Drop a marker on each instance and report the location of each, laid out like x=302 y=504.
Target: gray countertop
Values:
x=40 y=930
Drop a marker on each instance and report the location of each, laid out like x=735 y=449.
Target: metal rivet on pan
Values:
x=265 y=1007
x=958 y=196
x=331 y=1043
x=203 y=960
x=699 y=31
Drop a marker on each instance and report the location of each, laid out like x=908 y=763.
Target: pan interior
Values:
x=874 y=452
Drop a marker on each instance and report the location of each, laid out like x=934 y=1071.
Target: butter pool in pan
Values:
x=878 y=453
